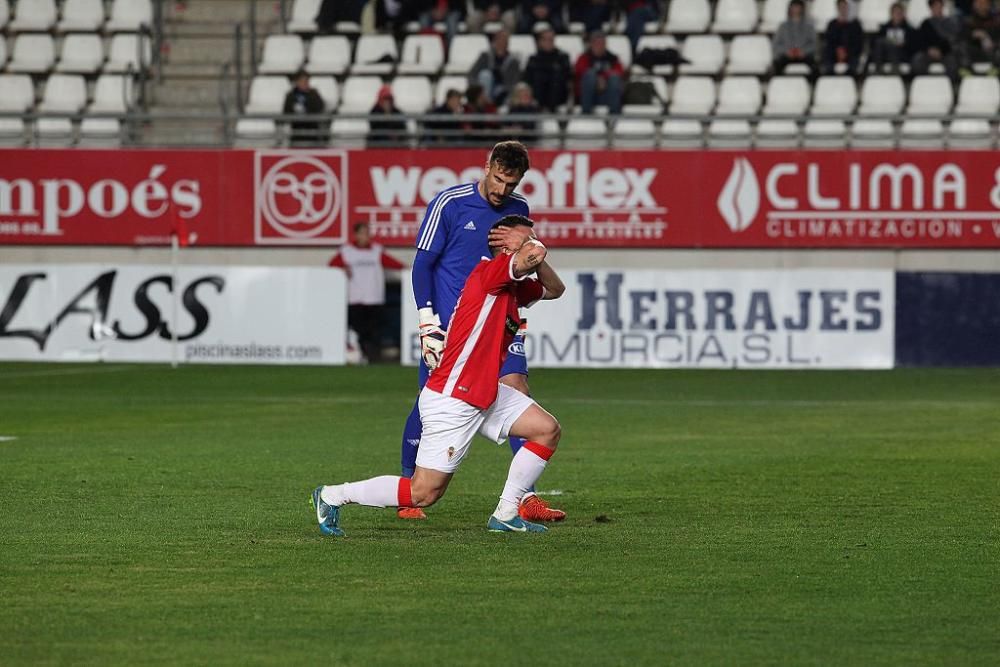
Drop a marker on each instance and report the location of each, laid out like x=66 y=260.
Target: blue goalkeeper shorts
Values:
x=516 y=362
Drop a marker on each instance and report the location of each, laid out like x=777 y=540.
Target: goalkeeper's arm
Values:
x=431 y=333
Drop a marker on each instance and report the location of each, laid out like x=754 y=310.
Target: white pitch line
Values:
x=7 y=438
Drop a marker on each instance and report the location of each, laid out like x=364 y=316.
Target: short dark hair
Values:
x=511 y=157
x=800 y=3
x=510 y=221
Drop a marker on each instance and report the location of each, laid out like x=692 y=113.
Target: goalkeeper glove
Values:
x=431 y=337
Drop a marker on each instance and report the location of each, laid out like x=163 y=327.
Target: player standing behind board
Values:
x=452 y=239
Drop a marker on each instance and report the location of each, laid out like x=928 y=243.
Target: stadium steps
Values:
x=198 y=42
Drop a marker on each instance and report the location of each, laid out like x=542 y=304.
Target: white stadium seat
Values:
x=328 y=89
x=921 y=134
x=692 y=96
x=3 y=51
x=930 y=95
x=970 y=133
x=32 y=54
x=64 y=93
x=112 y=94
x=824 y=133
x=587 y=132
x=283 y=54
x=372 y=48
x=787 y=96
x=707 y=54
x=81 y=16
x=777 y=133
x=82 y=53
x=303 y=18
x=464 y=51
x=688 y=16
x=621 y=47
x=572 y=45
x=729 y=133
x=750 y=54
x=834 y=96
x=124 y=53
x=978 y=95
x=4 y=14
x=523 y=47
x=739 y=96
x=422 y=54
x=446 y=83
x=349 y=132
x=267 y=95
x=772 y=15
x=882 y=95
x=822 y=12
x=256 y=133
x=872 y=133
x=735 y=16
x=412 y=94
x=633 y=132
x=359 y=93
x=17 y=95
x=130 y=15
x=873 y=13
x=33 y=15
x=656 y=42
x=329 y=54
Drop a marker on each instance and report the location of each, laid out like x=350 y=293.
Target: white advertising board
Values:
x=794 y=319
x=240 y=315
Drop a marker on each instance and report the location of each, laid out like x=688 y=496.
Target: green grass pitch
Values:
x=151 y=516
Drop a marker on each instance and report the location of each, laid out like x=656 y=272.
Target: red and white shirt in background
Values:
x=481 y=329
x=366 y=272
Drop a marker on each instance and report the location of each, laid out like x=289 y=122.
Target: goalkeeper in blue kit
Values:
x=453 y=237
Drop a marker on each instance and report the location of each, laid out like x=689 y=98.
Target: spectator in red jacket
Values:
x=364 y=263
x=600 y=77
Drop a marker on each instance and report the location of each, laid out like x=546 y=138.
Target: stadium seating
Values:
x=34 y=15
x=112 y=94
x=772 y=14
x=4 y=14
x=523 y=47
x=822 y=12
x=283 y=54
x=130 y=15
x=689 y=16
x=977 y=96
x=349 y=132
x=412 y=94
x=359 y=93
x=587 y=132
x=691 y=96
x=573 y=46
x=3 y=52
x=123 y=53
x=328 y=89
x=81 y=16
x=375 y=54
x=32 y=54
x=881 y=96
x=422 y=54
x=749 y=54
x=706 y=52
x=656 y=42
x=267 y=95
x=621 y=47
x=873 y=13
x=633 y=133
x=329 y=54
x=735 y=16
x=834 y=96
x=303 y=18
x=446 y=83
x=17 y=95
x=81 y=53
x=65 y=94
x=464 y=51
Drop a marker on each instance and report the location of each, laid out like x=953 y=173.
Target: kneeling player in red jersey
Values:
x=463 y=397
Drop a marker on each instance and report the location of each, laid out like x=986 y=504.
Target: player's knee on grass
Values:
x=517 y=381
x=538 y=426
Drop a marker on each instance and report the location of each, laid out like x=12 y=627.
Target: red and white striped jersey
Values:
x=481 y=329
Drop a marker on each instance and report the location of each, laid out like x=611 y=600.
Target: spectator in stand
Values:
x=936 y=38
x=600 y=77
x=795 y=40
x=497 y=70
x=549 y=72
x=333 y=11
x=485 y=12
x=477 y=102
x=364 y=263
x=388 y=131
x=535 y=12
x=522 y=101
x=446 y=131
x=303 y=100
x=979 y=38
x=844 y=41
x=448 y=12
x=895 y=42
x=593 y=14
x=638 y=14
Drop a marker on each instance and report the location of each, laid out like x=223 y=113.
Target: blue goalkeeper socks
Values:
x=411 y=439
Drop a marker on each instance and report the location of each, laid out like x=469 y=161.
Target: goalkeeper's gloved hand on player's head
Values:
x=431 y=337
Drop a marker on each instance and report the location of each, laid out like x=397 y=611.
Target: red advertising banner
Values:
x=640 y=199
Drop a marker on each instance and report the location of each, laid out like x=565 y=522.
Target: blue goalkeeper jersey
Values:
x=456 y=231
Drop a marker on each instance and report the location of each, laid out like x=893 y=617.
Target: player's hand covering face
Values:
x=498 y=184
x=510 y=238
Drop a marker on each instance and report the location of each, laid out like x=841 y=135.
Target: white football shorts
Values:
x=451 y=424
